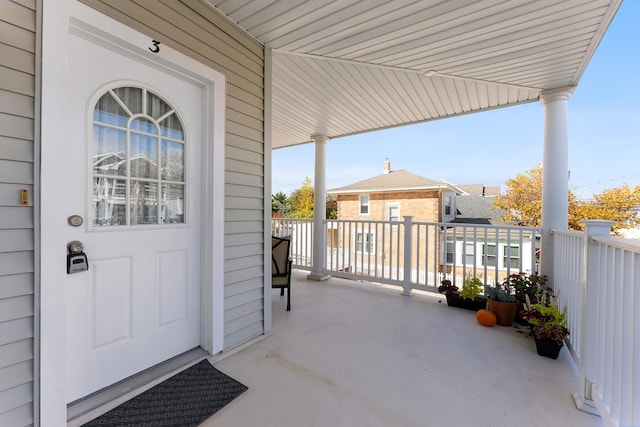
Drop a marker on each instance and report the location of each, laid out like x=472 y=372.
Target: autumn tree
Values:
x=301 y=201
x=522 y=203
x=522 y=200
x=616 y=204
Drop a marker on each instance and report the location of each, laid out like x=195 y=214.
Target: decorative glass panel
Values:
x=109 y=147
x=171 y=127
x=143 y=158
x=172 y=166
x=108 y=110
x=135 y=173
x=144 y=125
x=109 y=198
x=156 y=107
x=172 y=204
x=143 y=202
x=131 y=97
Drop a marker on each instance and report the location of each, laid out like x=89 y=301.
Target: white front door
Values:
x=131 y=170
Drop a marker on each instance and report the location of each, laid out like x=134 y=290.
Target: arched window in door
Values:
x=138 y=160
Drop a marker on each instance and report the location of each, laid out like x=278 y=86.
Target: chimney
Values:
x=386 y=166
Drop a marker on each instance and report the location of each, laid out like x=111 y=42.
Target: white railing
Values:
x=606 y=336
x=301 y=233
x=415 y=255
x=568 y=284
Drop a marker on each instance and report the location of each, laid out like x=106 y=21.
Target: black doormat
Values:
x=186 y=399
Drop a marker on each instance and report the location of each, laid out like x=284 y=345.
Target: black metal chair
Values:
x=281 y=263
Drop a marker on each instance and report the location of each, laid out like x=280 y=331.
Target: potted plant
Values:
x=526 y=287
x=548 y=325
x=549 y=339
x=502 y=302
x=468 y=297
x=451 y=292
x=470 y=293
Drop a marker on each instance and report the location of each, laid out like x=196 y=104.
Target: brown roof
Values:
x=397 y=180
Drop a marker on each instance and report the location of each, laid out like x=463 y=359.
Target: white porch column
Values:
x=555 y=172
x=319 y=210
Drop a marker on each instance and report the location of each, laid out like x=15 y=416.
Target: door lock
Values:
x=76 y=258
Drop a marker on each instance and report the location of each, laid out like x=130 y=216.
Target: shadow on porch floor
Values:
x=353 y=354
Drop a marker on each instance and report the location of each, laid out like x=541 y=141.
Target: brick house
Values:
x=389 y=196
x=394 y=194
x=373 y=243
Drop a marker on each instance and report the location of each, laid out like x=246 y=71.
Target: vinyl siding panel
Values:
x=15 y=330
x=16 y=104
x=16 y=397
x=16 y=81
x=16 y=149
x=17 y=112
x=199 y=31
x=17 y=352
x=16 y=285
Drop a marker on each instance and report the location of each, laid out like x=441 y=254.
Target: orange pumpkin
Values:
x=486 y=318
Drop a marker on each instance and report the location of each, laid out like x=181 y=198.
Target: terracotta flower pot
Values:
x=505 y=311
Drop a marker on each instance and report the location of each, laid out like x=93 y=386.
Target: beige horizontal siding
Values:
x=197 y=30
x=17 y=14
x=17 y=81
x=17 y=112
x=18 y=37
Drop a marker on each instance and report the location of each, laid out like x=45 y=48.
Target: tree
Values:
x=301 y=201
x=332 y=208
x=616 y=204
x=522 y=203
x=280 y=202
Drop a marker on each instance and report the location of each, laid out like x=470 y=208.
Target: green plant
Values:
x=500 y=293
x=555 y=333
x=526 y=285
x=544 y=315
x=447 y=287
x=471 y=287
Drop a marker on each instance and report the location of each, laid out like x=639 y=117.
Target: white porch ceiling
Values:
x=342 y=67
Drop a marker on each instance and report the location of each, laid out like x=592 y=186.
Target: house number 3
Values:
x=156 y=46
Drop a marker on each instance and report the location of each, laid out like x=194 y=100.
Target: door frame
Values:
x=60 y=19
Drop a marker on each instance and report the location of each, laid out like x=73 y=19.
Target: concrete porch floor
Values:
x=354 y=354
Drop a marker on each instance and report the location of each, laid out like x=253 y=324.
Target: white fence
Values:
x=602 y=294
x=301 y=233
x=415 y=255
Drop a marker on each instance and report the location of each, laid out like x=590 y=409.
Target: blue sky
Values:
x=493 y=146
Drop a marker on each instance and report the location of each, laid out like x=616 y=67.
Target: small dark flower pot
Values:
x=548 y=348
x=455 y=300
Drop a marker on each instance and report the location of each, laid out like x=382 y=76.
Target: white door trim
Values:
x=60 y=18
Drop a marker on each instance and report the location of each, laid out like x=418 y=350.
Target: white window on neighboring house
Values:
x=364 y=204
x=489 y=254
x=470 y=253
x=451 y=250
x=365 y=242
x=448 y=208
x=511 y=256
x=393 y=211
